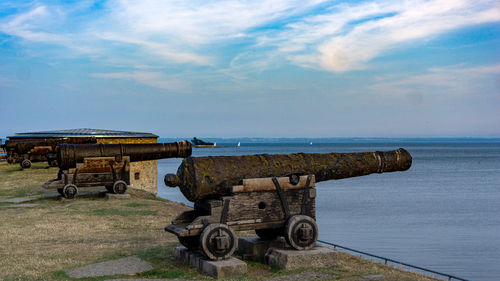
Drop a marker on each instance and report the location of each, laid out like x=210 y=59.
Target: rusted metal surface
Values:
x=2 y=150
x=107 y=165
x=212 y=176
x=36 y=150
x=69 y=155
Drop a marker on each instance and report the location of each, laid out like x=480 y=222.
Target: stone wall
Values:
x=143 y=174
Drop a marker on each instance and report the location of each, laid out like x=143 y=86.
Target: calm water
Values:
x=443 y=214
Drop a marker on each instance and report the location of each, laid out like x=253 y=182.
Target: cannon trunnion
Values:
x=205 y=177
x=282 y=206
x=271 y=194
x=106 y=165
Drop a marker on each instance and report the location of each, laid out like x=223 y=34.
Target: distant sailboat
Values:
x=239 y=144
x=311 y=143
x=215 y=144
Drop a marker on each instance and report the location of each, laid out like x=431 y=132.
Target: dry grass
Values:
x=61 y=234
x=39 y=243
x=14 y=182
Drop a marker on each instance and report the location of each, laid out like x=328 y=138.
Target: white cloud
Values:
x=25 y=24
x=171 y=31
x=313 y=33
x=341 y=44
x=198 y=22
x=448 y=81
x=159 y=49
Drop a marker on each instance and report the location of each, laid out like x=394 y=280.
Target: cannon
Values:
x=107 y=165
x=2 y=151
x=271 y=194
x=26 y=151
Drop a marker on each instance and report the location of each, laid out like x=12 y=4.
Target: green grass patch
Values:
x=60 y=275
x=5 y=192
x=9 y=169
x=41 y=165
x=167 y=273
x=157 y=199
x=157 y=254
x=164 y=264
x=12 y=192
x=136 y=204
x=124 y=213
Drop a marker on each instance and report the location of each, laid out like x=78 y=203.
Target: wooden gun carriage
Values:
x=112 y=173
x=106 y=165
x=26 y=151
x=271 y=194
x=273 y=206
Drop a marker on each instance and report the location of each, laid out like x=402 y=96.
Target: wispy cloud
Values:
x=161 y=50
x=170 y=31
x=317 y=34
x=349 y=36
x=451 y=81
x=26 y=26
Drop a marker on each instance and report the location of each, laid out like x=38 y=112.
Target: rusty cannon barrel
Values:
x=68 y=154
x=24 y=145
x=205 y=177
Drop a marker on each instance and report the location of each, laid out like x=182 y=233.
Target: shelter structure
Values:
x=143 y=174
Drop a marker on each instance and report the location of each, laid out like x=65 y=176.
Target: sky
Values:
x=305 y=68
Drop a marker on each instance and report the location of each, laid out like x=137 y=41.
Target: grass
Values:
x=15 y=182
x=135 y=204
x=40 y=243
x=123 y=213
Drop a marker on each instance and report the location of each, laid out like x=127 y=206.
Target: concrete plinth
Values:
x=254 y=248
x=293 y=259
x=112 y=196
x=232 y=267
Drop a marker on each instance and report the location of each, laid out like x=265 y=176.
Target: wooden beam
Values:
x=266 y=184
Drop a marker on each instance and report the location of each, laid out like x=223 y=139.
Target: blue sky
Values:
x=252 y=68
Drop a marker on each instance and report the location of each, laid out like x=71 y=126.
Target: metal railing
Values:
x=386 y=260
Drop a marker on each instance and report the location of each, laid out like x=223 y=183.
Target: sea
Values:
x=442 y=214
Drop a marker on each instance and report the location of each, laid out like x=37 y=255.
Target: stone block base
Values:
x=232 y=267
x=253 y=248
x=293 y=259
x=112 y=196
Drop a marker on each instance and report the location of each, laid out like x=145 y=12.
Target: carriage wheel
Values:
x=190 y=242
x=69 y=191
x=218 y=241
x=301 y=232
x=119 y=187
x=25 y=164
x=53 y=163
x=268 y=234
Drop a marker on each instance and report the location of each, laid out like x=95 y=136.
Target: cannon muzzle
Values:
x=204 y=177
x=69 y=154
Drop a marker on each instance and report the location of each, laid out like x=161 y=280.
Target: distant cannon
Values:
x=2 y=151
x=107 y=165
x=271 y=194
x=26 y=151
